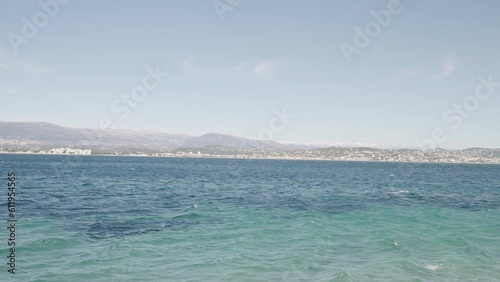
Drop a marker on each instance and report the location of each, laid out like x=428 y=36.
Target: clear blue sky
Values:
x=228 y=75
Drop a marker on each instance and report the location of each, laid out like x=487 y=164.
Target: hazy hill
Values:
x=44 y=135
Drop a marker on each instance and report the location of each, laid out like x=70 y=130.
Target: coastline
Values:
x=255 y=158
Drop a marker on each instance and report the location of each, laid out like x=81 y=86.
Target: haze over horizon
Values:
x=309 y=145
x=236 y=74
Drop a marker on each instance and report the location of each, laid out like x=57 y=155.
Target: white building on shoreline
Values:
x=69 y=151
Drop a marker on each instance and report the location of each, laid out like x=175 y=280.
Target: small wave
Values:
x=400 y=192
x=342 y=276
x=432 y=267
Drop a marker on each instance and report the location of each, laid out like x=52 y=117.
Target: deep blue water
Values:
x=179 y=219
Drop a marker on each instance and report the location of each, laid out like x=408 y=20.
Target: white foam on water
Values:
x=400 y=192
x=432 y=267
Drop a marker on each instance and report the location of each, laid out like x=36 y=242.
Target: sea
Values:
x=98 y=218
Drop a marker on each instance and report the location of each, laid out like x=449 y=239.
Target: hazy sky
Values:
x=229 y=71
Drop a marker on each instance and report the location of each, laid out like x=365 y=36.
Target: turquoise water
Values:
x=172 y=219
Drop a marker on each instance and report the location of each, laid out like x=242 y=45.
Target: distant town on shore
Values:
x=50 y=139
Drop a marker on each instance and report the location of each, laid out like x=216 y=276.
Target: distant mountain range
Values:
x=31 y=137
x=41 y=137
x=44 y=135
